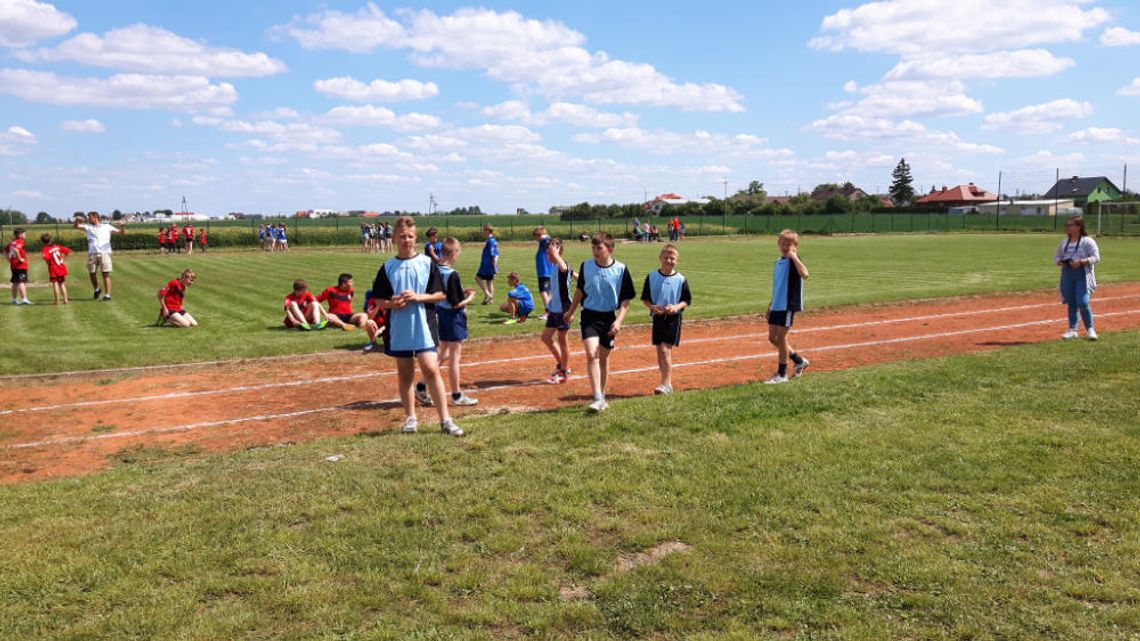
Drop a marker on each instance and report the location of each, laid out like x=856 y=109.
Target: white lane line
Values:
x=637 y=370
x=517 y=359
x=258 y=359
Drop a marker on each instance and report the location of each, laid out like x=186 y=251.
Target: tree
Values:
x=756 y=188
x=902 y=184
x=116 y=215
x=12 y=217
x=44 y=218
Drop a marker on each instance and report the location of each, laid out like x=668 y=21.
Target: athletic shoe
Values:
x=28 y=302
x=1091 y=335
x=449 y=428
x=15 y=301
x=97 y=294
x=663 y=389
x=1072 y=333
x=543 y=317
x=348 y=328
x=323 y=324
x=411 y=424
x=798 y=368
x=564 y=376
x=464 y=400
x=598 y=406
x=556 y=377
x=522 y=319
x=368 y=348
x=776 y=379
x=106 y=297
x=306 y=327
x=422 y=395
x=487 y=300
x=510 y=321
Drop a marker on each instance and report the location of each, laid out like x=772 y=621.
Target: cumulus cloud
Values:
x=373 y=116
x=377 y=90
x=1041 y=118
x=1119 y=37
x=131 y=91
x=545 y=57
x=897 y=99
x=695 y=142
x=15 y=141
x=1103 y=135
x=857 y=128
x=1026 y=63
x=574 y=114
x=274 y=136
x=148 y=49
x=23 y=22
x=1132 y=89
x=89 y=126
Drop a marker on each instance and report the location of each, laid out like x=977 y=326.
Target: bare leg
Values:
x=665 y=362
x=603 y=367
x=593 y=367
x=405 y=381
x=429 y=368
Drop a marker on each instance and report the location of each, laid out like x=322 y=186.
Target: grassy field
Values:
x=984 y=497
x=239 y=293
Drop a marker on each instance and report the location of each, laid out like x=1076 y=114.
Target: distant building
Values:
x=960 y=196
x=847 y=190
x=1084 y=190
x=658 y=203
x=1031 y=208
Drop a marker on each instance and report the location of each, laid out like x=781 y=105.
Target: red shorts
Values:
x=59 y=279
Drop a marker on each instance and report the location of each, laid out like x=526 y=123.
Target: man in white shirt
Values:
x=99 y=251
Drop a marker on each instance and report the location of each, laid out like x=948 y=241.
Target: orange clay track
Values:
x=72 y=424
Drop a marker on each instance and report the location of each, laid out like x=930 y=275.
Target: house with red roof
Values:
x=960 y=196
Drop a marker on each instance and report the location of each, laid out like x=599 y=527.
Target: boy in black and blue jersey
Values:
x=788 y=278
x=666 y=294
x=557 y=323
x=605 y=289
x=451 y=313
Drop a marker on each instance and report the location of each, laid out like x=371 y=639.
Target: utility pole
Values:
x=724 y=209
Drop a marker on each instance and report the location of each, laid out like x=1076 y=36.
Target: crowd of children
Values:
x=172 y=240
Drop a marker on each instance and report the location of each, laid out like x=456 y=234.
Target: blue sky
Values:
x=268 y=107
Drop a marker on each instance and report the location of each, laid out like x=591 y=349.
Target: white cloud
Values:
x=1025 y=63
x=1132 y=89
x=857 y=128
x=574 y=114
x=15 y=141
x=851 y=86
x=289 y=136
x=1048 y=159
x=695 y=142
x=1103 y=135
x=1041 y=118
x=23 y=22
x=372 y=116
x=509 y=110
x=377 y=90
x=89 y=126
x=531 y=55
x=28 y=193
x=131 y=91
x=148 y=49
x=908 y=99
x=1119 y=37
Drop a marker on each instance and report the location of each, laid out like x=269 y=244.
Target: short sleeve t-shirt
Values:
x=411 y=328
x=543 y=268
x=606 y=288
x=303 y=300
x=523 y=296
x=173 y=295
x=490 y=251
x=17 y=257
x=662 y=290
x=787 y=287
x=340 y=301
x=99 y=238
x=56 y=258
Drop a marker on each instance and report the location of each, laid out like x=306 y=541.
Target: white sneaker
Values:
x=411 y=424
x=464 y=400
x=449 y=428
x=368 y=348
x=798 y=368
x=1072 y=333
x=1091 y=334
x=663 y=389
x=598 y=406
x=543 y=317
x=776 y=379
x=422 y=395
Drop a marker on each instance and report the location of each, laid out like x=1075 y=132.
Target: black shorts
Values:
x=782 y=318
x=667 y=329
x=482 y=276
x=544 y=284
x=598 y=325
x=345 y=318
x=557 y=320
x=19 y=276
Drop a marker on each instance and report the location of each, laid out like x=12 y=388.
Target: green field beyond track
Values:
x=992 y=496
x=239 y=294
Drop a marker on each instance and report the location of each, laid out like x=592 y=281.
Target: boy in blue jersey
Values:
x=408 y=286
x=557 y=322
x=452 y=315
x=788 y=278
x=605 y=288
x=543 y=268
x=488 y=265
x=519 y=301
x=433 y=247
x=666 y=294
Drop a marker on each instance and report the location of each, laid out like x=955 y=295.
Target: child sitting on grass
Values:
x=302 y=311
x=519 y=301
x=172 y=298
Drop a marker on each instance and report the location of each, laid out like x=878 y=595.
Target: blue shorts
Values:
x=410 y=353
x=781 y=318
x=544 y=284
x=452 y=324
x=525 y=311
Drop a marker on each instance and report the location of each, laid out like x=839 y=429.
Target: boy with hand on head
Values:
x=18 y=261
x=788 y=278
x=666 y=294
x=557 y=322
x=302 y=309
x=488 y=265
x=55 y=255
x=408 y=285
x=171 y=298
x=519 y=301
x=339 y=298
x=451 y=312
x=605 y=288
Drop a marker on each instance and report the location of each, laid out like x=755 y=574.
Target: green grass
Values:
x=991 y=496
x=239 y=294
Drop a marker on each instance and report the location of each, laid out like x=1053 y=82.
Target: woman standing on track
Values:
x=1076 y=256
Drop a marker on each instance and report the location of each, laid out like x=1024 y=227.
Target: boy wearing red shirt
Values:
x=172 y=239
x=162 y=240
x=55 y=255
x=339 y=299
x=171 y=298
x=302 y=309
x=18 y=260
x=188 y=236
x=202 y=239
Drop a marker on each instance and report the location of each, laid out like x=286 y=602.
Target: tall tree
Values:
x=902 y=184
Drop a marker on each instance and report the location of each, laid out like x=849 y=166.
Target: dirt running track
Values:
x=77 y=423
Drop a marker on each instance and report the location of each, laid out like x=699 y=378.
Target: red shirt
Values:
x=188 y=232
x=340 y=301
x=172 y=234
x=56 y=258
x=162 y=237
x=202 y=236
x=17 y=257
x=173 y=294
x=303 y=301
